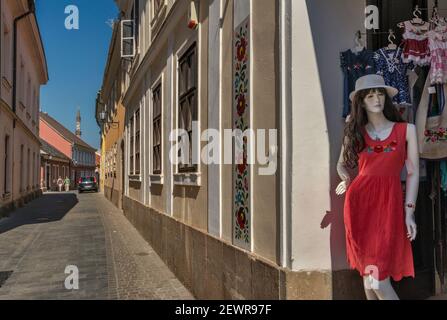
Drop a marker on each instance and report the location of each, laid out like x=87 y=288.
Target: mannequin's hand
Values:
x=411 y=226
x=342 y=187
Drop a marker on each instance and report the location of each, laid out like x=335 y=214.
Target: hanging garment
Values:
x=438 y=53
x=422 y=170
x=444 y=176
x=354 y=66
x=374 y=209
x=390 y=66
x=418 y=88
x=415 y=44
x=432 y=126
x=406 y=112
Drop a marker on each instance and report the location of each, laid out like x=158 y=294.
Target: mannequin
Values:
x=379 y=224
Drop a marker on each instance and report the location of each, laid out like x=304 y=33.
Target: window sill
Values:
x=135 y=178
x=156 y=179
x=187 y=179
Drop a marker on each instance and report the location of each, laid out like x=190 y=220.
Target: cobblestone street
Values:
x=38 y=241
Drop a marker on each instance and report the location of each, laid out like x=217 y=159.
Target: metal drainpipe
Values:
x=14 y=88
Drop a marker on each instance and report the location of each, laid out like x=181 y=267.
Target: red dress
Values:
x=374 y=210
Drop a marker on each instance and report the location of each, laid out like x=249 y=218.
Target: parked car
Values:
x=87 y=184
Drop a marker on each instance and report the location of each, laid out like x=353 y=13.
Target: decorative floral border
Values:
x=436 y=135
x=241 y=120
x=382 y=148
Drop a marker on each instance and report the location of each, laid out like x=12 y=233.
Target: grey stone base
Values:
x=113 y=196
x=213 y=269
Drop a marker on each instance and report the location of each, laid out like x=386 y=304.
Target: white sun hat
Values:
x=372 y=81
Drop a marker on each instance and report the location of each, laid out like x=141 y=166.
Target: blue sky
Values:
x=76 y=60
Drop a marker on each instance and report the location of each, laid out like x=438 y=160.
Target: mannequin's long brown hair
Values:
x=355 y=142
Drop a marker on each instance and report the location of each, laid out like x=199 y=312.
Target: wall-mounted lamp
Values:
x=103 y=119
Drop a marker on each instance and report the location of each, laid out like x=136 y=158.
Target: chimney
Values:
x=78 y=124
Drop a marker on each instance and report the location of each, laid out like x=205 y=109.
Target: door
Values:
x=391 y=13
x=48 y=177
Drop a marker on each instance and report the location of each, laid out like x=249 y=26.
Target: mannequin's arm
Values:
x=343 y=173
x=341 y=168
x=412 y=185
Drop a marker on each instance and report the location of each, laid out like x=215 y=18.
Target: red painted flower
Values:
x=442 y=130
x=241 y=218
x=427 y=133
x=242 y=49
x=393 y=143
x=378 y=149
x=241 y=167
x=241 y=103
x=433 y=139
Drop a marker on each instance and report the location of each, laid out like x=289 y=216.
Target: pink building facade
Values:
x=19 y=102
x=81 y=155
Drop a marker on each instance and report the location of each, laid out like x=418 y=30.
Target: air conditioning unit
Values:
x=193 y=17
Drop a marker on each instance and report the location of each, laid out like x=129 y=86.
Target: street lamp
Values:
x=103 y=119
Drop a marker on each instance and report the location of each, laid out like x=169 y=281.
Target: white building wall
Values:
x=317 y=128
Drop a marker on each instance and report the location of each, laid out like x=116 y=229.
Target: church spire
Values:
x=78 y=123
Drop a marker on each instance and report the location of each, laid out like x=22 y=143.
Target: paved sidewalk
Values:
x=38 y=241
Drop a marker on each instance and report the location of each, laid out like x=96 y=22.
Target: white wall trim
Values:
x=215 y=116
x=170 y=81
x=285 y=132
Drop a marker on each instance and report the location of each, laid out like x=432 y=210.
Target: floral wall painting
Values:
x=241 y=120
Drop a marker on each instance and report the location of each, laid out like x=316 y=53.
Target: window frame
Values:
x=183 y=95
x=158 y=86
x=137 y=151
x=131 y=145
x=6 y=57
